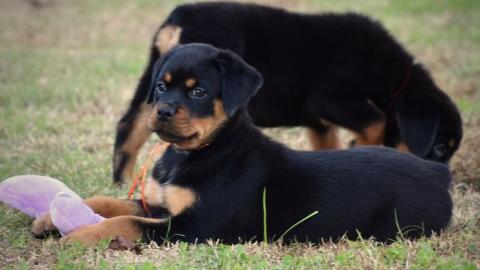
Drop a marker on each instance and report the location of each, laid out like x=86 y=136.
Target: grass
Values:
x=68 y=69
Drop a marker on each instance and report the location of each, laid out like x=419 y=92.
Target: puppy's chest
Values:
x=167 y=189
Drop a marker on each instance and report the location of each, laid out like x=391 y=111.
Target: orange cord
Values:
x=142 y=174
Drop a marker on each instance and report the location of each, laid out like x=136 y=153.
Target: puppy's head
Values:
x=196 y=88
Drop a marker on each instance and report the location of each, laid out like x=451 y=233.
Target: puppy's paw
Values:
x=43 y=226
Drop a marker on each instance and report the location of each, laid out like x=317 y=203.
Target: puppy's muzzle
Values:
x=166 y=111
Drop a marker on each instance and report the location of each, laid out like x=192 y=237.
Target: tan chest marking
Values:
x=176 y=199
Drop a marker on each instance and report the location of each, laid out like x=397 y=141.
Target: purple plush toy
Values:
x=37 y=195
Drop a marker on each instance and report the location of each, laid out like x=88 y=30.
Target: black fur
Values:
x=368 y=191
x=344 y=68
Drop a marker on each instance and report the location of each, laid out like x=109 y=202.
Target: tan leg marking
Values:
x=42 y=224
x=324 y=141
x=167 y=38
x=136 y=139
x=110 y=207
x=402 y=147
x=123 y=226
x=176 y=199
x=372 y=135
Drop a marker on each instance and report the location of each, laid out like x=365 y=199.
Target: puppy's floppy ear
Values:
x=155 y=70
x=240 y=81
x=418 y=129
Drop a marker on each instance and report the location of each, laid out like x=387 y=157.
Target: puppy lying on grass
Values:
x=209 y=182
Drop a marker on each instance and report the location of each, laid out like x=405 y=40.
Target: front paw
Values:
x=43 y=226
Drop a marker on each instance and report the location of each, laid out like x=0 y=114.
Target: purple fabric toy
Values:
x=36 y=195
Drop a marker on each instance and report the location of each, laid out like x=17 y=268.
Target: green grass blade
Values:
x=296 y=224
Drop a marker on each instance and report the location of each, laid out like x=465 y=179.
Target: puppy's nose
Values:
x=165 y=111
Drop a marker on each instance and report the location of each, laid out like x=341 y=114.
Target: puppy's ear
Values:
x=240 y=81
x=418 y=129
x=155 y=70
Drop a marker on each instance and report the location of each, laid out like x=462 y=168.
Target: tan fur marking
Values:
x=168 y=77
x=189 y=83
x=122 y=226
x=185 y=125
x=136 y=139
x=110 y=207
x=205 y=127
x=178 y=199
x=372 y=135
x=325 y=141
x=167 y=38
x=154 y=193
x=451 y=143
x=402 y=147
x=42 y=224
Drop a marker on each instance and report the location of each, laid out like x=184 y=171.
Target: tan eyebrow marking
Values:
x=190 y=82
x=168 y=77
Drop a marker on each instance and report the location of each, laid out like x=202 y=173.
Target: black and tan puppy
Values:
x=319 y=71
x=210 y=180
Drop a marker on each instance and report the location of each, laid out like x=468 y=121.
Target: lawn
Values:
x=68 y=69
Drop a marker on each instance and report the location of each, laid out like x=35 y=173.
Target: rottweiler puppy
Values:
x=320 y=71
x=210 y=180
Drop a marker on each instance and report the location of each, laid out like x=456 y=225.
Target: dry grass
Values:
x=67 y=70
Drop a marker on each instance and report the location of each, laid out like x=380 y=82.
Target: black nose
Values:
x=165 y=111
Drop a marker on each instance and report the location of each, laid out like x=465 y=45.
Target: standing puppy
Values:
x=210 y=180
x=320 y=71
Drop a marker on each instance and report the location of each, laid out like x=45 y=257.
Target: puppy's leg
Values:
x=111 y=207
x=105 y=206
x=372 y=134
x=132 y=133
x=128 y=228
x=360 y=116
x=132 y=129
x=325 y=137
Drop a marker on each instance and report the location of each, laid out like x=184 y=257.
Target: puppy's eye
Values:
x=197 y=92
x=160 y=88
x=440 y=149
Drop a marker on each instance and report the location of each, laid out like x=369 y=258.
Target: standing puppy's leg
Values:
x=360 y=116
x=132 y=129
x=324 y=137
